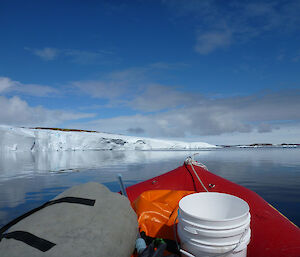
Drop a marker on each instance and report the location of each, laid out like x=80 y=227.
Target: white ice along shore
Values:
x=27 y=139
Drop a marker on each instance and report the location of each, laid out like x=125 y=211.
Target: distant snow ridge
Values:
x=24 y=139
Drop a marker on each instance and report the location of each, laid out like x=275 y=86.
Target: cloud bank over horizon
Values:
x=163 y=111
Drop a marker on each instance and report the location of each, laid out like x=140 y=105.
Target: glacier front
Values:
x=30 y=139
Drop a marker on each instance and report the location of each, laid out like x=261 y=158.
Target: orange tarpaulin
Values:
x=157 y=211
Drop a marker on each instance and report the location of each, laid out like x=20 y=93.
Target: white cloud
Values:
x=152 y=125
x=164 y=111
x=136 y=130
x=131 y=87
x=85 y=57
x=168 y=66
x=15 y=111
x=74 y=55
x=210 y=41
x=47 y=53
x=170 y=111
x=8 y=85
x=121 y=85
x=244 y=20
x=285 y=134
x=99 y=89
x=37 y=90
x=296 y=57
x=5 y=84
x=157 y=97
x=198 y=116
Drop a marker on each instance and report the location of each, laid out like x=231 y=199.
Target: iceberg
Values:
x=32 y=139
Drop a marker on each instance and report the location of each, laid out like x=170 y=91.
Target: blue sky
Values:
x=224 y=72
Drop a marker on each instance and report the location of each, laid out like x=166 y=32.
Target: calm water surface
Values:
x=29 y=179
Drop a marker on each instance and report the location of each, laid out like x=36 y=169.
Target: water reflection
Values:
x=28 y=179
x=19 y=164
x=16 y=164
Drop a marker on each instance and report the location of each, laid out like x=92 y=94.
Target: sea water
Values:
x=29 y=179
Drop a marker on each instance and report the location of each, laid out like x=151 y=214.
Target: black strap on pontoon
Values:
x=32 y=240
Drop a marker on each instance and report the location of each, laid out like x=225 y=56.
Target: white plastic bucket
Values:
x=214 y=224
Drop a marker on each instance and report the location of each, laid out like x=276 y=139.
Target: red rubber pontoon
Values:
x=272 y=234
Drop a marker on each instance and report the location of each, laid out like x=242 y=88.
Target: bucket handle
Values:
x=186 y=253
x=190 y=230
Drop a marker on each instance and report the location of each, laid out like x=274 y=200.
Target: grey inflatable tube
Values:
x=102 y=223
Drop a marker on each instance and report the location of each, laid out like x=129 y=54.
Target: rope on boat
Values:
x=190 y=161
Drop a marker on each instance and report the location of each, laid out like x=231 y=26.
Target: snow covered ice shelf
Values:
x=26 y=139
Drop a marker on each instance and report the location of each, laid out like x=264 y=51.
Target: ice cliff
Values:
x=26 y=139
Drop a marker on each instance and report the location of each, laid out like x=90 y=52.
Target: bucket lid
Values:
x=212 y=206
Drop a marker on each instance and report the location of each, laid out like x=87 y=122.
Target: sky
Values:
x=221 y=72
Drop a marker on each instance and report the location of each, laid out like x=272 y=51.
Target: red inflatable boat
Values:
x=272 y=234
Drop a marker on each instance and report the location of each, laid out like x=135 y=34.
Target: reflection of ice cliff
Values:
x=16 y=164
x=22 y=139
